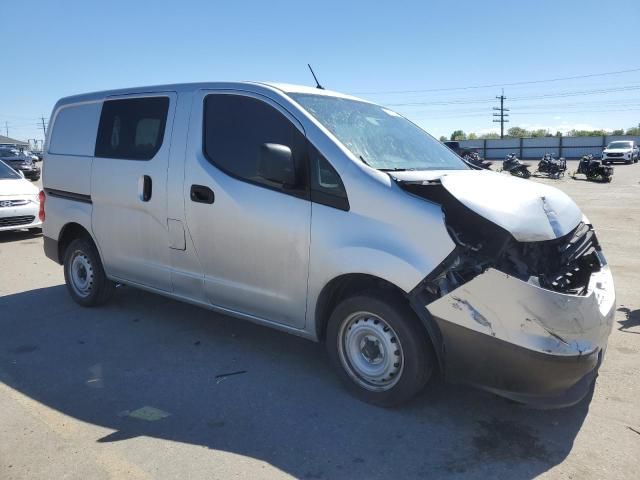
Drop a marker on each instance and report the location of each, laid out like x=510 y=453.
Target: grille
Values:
x=614 y=154
x=576 y=258
x=16 y=221
x=13 y=203
x=563 y=265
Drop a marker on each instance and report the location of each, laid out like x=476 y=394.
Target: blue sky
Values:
x=57 y=48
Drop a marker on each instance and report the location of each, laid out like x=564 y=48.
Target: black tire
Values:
x=417 y=357
x=99 y=288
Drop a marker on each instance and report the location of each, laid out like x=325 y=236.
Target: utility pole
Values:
x=44 y=128
x=502 y=115
x=6 y=128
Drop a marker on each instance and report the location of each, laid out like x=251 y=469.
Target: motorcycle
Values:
x=515 y=167
x=594 y=170
x=474 y=159
x=551 y=166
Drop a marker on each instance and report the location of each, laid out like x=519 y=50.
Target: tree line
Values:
x=517 y=132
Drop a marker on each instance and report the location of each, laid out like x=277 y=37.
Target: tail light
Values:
x=42 y=197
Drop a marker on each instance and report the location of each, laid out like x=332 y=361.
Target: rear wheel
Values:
x=379 y=348
x=84 y=274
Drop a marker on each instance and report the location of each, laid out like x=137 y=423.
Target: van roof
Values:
x=184 y=87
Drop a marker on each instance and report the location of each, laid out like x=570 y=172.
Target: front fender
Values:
x=401 y=246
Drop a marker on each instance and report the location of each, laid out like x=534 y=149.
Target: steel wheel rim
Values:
x=370 y=351
x=82 y=274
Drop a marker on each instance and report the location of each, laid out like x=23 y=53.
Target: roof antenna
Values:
x=315 y=78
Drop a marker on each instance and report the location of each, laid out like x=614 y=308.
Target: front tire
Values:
x=84 y=274
x=379 y=348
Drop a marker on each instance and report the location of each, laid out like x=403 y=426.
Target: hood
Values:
x=14 y=159
x=10 y=187
x=617 y=150
x=530 y=211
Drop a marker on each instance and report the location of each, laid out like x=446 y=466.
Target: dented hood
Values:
x=529 y=210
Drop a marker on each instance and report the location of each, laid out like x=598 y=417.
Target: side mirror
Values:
x=276 y=164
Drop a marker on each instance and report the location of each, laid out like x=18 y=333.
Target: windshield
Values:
x=6 y=172
x=7 y=153
x=380 y=137
x=619 y=145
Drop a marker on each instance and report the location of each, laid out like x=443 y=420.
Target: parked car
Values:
x=20 y=162
x=334 y=219
x=620 y=151
x=460 y=150
x=34 y=156
x=19 y=201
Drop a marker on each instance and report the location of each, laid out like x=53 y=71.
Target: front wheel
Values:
x=84 y=274
x=379 y=348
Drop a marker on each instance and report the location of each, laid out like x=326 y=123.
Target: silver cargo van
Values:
x=335 y=219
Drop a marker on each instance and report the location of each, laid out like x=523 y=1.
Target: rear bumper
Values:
x=524 y=342
x=51 y=248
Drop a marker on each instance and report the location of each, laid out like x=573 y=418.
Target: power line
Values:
x=566 y=106
x=574 y=93
x=484 y=114
x=494 y=85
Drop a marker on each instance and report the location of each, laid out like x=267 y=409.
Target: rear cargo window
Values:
x=132 y=129
x=74 y=130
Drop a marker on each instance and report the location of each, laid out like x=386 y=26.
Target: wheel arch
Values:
x=70 y=232
x=350 y=284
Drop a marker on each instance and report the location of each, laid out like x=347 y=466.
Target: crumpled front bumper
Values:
x=522 y=341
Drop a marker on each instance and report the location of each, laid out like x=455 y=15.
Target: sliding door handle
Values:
x=145 y=188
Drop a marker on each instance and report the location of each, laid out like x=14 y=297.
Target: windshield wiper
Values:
x=397 y=169
x=363 y=160
x=392 y=169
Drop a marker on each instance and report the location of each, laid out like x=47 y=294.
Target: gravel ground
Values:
x=133 y=389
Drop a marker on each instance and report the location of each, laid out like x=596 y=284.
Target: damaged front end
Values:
x=527 y=319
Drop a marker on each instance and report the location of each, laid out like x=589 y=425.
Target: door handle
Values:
x=202 y=194
x=145 y=188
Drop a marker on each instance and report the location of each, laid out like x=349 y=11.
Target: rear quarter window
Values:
x=74 y=130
